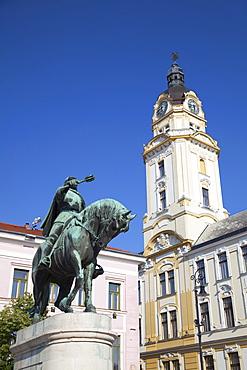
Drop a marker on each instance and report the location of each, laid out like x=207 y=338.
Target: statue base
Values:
x=68 y=341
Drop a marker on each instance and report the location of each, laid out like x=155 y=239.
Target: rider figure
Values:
x=66 y=202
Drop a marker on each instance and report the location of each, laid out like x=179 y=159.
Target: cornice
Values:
x=176 y=109
x=187 y=348
x=172 y=218
x=212 y=146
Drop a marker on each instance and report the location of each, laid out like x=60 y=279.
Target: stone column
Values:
x=68 y=341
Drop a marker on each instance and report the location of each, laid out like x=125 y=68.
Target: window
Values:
x=167 y=365
x=175 y=365
x=171 y=281
x=114 y=296
x=163 y=284
x=164 y=324
x=19 y=283
x=163 y=199
x=139 y=292
x=174 y=332
x=223 y=265
x=53 y=293
x=201 y=271
x=205 y=316
x=202 y=166
x=140 y=332
x=116 y=354
x=234 y=361
x=167 y=283
x=209 y=362
x=161 y=165
x=171 y=365
x=244 y=251
x=205 y=197
x=227 y=304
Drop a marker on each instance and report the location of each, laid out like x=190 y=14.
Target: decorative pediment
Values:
x=231 y=349
x=156 y=141
x=205 y=138
x=168 y=355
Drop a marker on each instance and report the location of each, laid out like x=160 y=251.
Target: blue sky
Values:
x=79 y=79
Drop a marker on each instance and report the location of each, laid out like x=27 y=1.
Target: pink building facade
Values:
x=115 y=293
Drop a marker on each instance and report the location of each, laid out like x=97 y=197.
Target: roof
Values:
x=20 y=229
x=28 y=230
x=176 y=93
x=230 y=226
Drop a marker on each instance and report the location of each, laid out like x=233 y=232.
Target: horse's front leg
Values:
x=65 y=304
x=88 y=277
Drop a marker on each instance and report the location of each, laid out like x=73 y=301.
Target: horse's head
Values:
x=124 y=221
x=106 y=218
x=120 y=224
x=114 y=226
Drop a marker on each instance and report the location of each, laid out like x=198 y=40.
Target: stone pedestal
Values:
x=66 y=342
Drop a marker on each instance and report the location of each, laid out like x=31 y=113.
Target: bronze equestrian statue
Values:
x=73 y=256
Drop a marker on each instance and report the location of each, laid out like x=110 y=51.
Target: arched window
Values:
x=202 y=166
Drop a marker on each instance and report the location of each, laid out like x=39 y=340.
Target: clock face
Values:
x=193 y=106
x=162 y=109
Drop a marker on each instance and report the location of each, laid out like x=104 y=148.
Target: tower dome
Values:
x=175 y=78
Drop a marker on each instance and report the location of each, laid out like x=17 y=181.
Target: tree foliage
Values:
x=13 y=318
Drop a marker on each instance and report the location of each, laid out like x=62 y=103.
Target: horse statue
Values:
x=74 y=255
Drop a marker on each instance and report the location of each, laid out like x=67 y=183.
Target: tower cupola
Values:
x=175 y=75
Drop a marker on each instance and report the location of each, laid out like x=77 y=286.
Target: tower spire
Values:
x=175 y=75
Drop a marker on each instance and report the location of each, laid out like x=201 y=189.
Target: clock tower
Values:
x=182 y=173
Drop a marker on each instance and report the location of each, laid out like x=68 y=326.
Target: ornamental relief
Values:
x=231 y=349
x=242 y=243
x=168 y=355
x=208 y=352
x=225 y=290
x=148 y=264
x=161 y=185
x=164 y=241
x=202 y=152
x=182 y=250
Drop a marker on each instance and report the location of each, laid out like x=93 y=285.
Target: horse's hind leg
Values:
x=65 y=303
x=88 y=277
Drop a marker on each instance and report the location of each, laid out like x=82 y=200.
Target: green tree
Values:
x=13 y=318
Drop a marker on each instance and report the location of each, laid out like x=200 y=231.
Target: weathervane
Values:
x=174 y=56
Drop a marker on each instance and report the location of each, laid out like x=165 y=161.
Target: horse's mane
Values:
x=102 y=209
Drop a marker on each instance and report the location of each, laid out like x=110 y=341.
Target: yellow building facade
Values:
x=184 y=200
